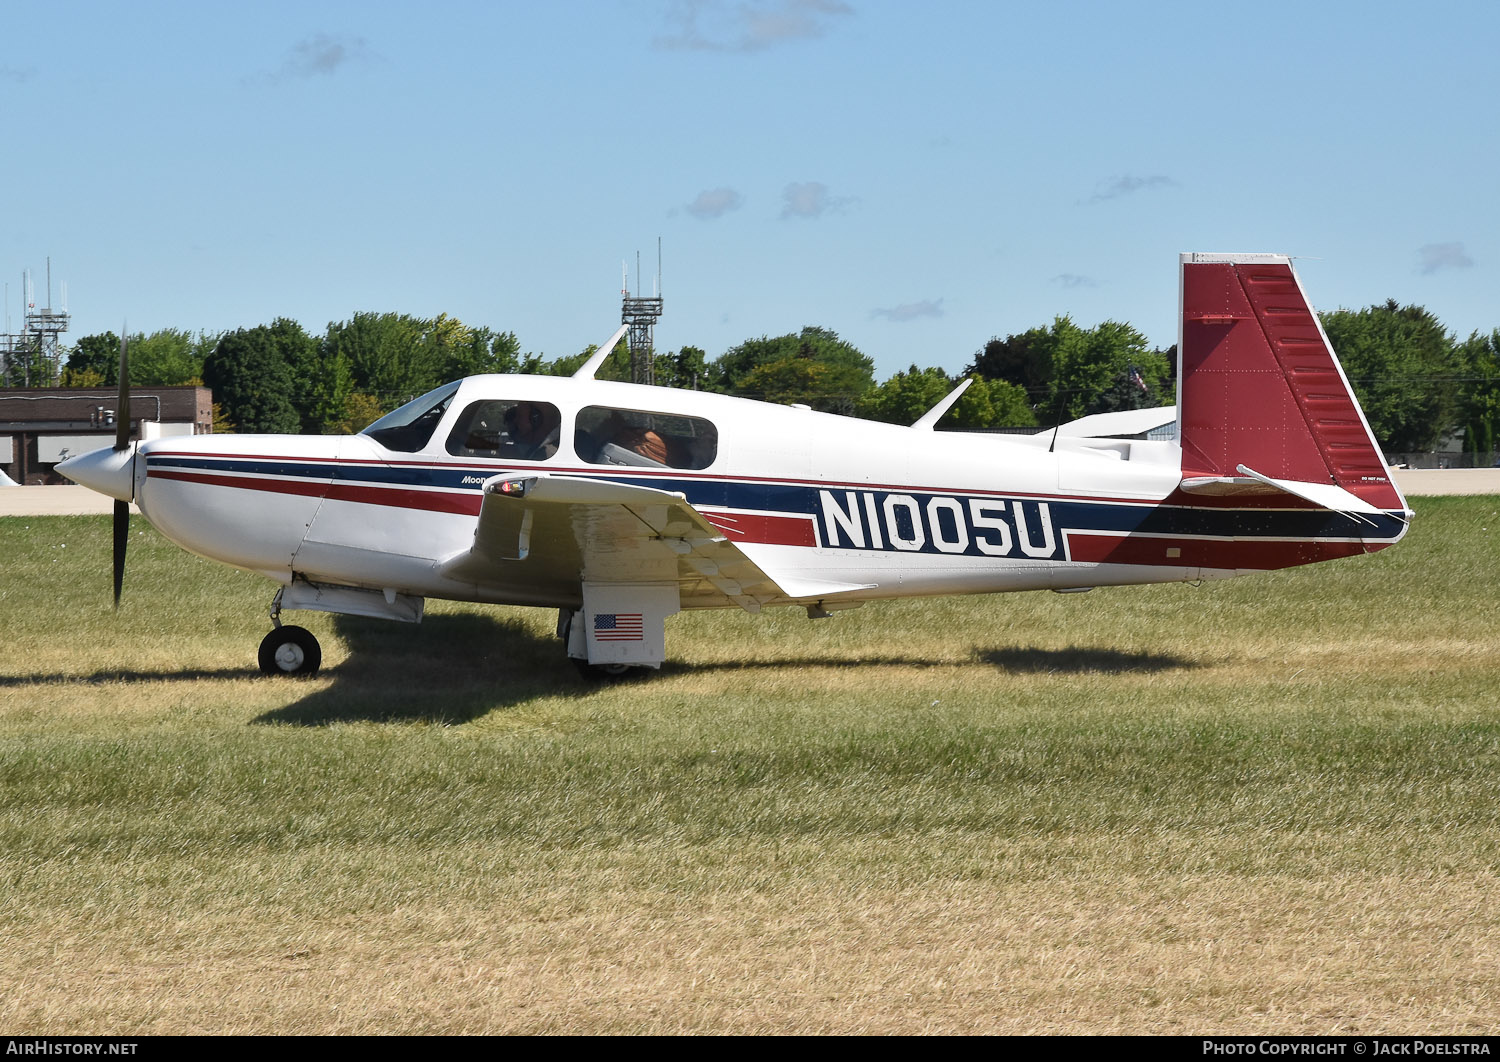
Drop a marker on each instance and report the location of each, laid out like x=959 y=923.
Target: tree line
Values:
x=1416 y=381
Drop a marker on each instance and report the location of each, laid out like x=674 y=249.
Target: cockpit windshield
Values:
x=408 y=428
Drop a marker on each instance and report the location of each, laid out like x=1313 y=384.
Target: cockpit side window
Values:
x=506 y=429
x=607 y=436
x=408 y=428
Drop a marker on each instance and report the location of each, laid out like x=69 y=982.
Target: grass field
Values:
x=1269 y=805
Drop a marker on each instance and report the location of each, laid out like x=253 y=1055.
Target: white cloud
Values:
x=1074 y=280
x=910 y=311
x=715 y=203
x=810 y=200
x=321 y=54
x=751 y=26
x=1116 y=187
x=1437 y=256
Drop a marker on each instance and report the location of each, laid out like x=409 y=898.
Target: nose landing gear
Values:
x=289 y=650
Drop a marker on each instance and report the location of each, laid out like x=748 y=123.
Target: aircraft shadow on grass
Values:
x=1074 y=660
x=449 y=670
x=454 y=669
x=457 y=668
x=104 y=678
x=1082 y=660
x=1071 y=661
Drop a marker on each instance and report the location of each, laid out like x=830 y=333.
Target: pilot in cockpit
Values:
x=534 y=429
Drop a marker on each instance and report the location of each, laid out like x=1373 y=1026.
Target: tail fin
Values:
x=1260 y=391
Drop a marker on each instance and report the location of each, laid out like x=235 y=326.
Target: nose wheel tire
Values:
x=290 y=651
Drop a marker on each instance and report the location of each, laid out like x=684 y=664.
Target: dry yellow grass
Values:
x=1410 y=952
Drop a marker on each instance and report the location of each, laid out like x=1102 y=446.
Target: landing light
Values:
x=515 y=488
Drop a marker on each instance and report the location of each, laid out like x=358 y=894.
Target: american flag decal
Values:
x=619 y=627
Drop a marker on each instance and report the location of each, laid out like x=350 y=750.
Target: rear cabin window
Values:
x=506 y=429
x=606 y=436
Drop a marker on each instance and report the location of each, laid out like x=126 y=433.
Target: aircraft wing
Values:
x=548 y=535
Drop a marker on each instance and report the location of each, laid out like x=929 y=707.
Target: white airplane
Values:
x=620 y=505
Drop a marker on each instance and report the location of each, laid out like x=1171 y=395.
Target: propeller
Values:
x=122 y=442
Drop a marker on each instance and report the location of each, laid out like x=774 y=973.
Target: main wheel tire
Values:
x=290 y=651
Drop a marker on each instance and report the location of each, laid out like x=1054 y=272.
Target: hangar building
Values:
x=41 y=426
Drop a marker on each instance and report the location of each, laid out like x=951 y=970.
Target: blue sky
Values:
x=917 y=177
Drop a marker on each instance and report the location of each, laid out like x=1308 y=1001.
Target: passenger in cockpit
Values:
x=534 y=428
x=642 y=441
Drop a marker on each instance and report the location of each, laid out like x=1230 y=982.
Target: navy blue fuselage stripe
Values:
x=803 y=499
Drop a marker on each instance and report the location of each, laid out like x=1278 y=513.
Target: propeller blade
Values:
x=122 y=442
x=122 y=538
x=122 y=406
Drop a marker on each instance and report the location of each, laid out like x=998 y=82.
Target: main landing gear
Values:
x=289 y=650
x=572 y=637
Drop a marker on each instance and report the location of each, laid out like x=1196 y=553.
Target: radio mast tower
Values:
x=641 y=314
x=35 y=353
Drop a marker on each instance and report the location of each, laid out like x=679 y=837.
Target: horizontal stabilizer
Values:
x=1328 y=495
x=1121 y=423
x=1250 y=482
x=1226 y=486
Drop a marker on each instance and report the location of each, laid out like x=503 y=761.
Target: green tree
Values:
x=460 y=350
x=1069 y=372
x=1096 y=370
x=252 y=381
x=1024 y=359
x=615 y=367
x=97 y=355
x=833 y=374
x=992 y=404
x=787 y=381
x=1479 y=359
x=490 y=352
x=360 y=411
x=203 y=346
x=681 y=369
x=168 y=357
x=687 y=369
x=81 y=378
x=388 y=355
x=320 y=384
x=1404 y=369
x=906 y=396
